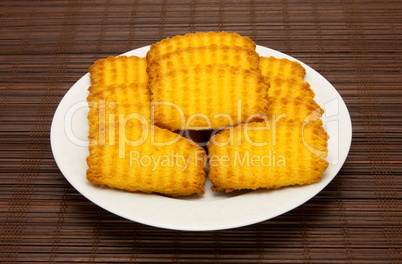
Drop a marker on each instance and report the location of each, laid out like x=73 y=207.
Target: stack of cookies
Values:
x=269 y=132
x=289 y=148
x=128 y=152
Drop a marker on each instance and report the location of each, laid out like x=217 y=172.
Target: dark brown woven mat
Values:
x=45 y=46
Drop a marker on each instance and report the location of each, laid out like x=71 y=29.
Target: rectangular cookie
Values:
x=270 y=155
x=119 y=70
x=198 y=39
x=289 y=87
x=298 y=108
x=128 y=153
x=276 y=67
x=207 y=97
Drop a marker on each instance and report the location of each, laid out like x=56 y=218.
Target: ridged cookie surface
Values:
x=175 y=167
x=267 y=155
x=128 y=153
x=207 y=97
x=276 y=67
x=204 y=55
x=298 y=108
x=114 y=105
x=119 y=70
x=170 y=45
x=289 y=87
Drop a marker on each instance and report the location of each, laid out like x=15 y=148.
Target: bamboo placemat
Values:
x=46 y=46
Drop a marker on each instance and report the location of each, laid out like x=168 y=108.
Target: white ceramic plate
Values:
x=212 y=211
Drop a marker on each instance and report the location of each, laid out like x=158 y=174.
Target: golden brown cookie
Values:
x=198 y=39
x=275 y=67
x=298 y=108
x=289 y=87
x=207 y=97
x=128 y=153
x=119 y=70
x=173 y=166
x=271 y=154
x=204 y=55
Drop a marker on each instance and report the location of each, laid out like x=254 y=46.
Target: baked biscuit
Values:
x=172 y=168
x=128 y=153
x=271 y=154
x=128 y=102
x=119 y=70
x=289 y=87
x=297 y=108
x=204 y=55
x=275 y=67
x=170 y=45
x=207 y=97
